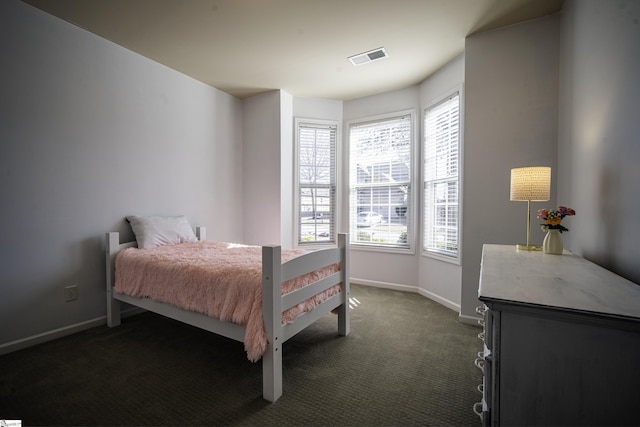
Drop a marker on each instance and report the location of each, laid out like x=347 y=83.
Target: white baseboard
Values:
x=82 y=326
x=442 y=301
x=386 y=285
x=469 y=320
x=60 y=332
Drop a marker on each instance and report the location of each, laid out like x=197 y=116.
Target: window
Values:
x=441 y=177
x=380 y=165
x=316 y=169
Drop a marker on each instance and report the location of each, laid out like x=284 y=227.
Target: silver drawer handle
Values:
x=481 y=336
x=481 y=388
x=480 y=363
x=477 y=408
x=481 y=322
x=481 y=309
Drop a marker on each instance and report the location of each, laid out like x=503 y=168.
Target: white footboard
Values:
x=273 y=303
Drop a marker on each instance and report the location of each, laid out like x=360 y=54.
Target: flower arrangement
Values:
x=553 y=218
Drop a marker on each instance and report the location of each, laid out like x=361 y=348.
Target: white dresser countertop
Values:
x=564 y=281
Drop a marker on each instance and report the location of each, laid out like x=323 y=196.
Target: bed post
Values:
x=201 y=233
x=272 y=314
x=113 y=306
x=344 y=320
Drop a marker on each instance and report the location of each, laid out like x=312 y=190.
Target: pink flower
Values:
x=553 y=218
x=565 y=211
x=543 y=213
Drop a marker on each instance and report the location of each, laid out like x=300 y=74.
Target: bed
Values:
x=274 y=275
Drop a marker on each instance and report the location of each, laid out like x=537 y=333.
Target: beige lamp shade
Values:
x=531 y=184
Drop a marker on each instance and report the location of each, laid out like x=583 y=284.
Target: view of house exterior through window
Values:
x=316 y=167
x=380 y=167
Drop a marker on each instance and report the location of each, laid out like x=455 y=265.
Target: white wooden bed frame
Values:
x=274 y=273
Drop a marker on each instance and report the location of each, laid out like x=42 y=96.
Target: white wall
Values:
x=286 y=171
x=441 y=280
x=319 y=109
x=262 y=169
x=383 y=269
x=511 y=96
x=91 y=132
x=432 y=278
x=599 y=131
x=268 y=193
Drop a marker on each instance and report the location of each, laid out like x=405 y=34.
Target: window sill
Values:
x=373 y=248
x=441 y=257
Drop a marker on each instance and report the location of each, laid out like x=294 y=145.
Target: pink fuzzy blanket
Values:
x=222 y=280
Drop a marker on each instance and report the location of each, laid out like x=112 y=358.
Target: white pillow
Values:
x=154 y=231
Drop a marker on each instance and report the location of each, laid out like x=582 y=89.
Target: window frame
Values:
x=410 y=247
x=434 y=252
x=335 y=218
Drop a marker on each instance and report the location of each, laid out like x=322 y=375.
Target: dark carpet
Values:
x=408 y=361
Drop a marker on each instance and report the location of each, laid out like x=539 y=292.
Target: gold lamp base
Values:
x=528 y=248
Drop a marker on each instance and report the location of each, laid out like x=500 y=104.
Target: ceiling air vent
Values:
x=366 y=57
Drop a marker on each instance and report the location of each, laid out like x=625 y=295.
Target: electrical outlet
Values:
x=71 y=293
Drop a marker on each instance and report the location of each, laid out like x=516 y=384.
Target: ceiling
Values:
x=246 y=47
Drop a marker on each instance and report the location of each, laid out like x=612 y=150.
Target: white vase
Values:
x=552 y=243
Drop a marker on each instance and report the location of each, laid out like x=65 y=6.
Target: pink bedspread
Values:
x=222 y=280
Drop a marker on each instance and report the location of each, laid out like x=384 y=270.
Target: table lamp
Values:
x=530 y=184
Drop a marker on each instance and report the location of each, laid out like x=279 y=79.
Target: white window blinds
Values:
x=380 y=181
x=441 y=177
x=316 y=159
